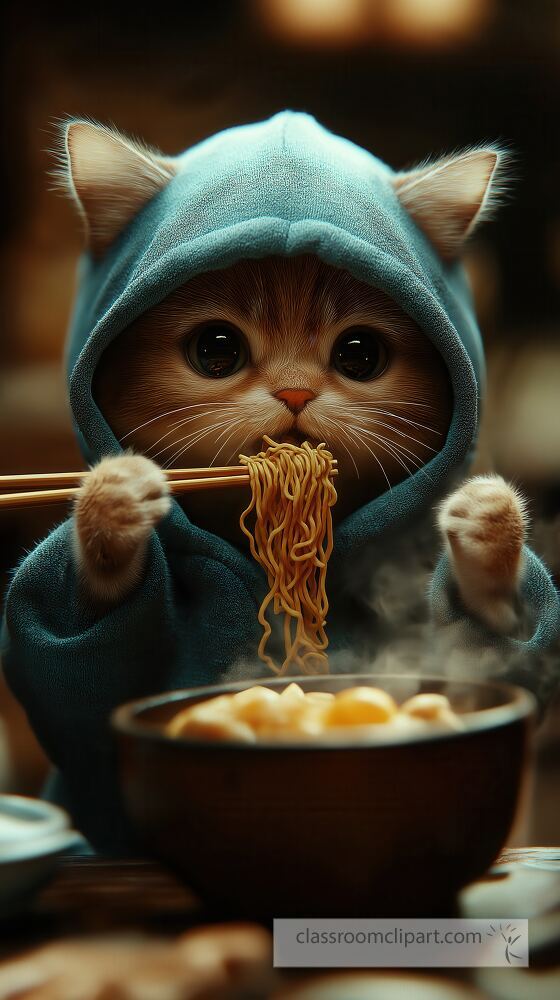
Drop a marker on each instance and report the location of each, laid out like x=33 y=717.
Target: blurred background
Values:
x=404 y=78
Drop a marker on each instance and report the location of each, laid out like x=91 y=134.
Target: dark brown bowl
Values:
x=324 y=829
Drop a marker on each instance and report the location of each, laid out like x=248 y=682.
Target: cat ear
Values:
x=447 y=199
x=110 y=177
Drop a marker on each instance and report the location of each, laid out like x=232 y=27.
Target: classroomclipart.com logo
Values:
x=394 y=943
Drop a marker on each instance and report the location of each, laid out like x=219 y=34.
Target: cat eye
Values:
x=360 y=354
x=216 y=350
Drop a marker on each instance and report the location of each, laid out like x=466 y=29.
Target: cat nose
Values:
x=295 y=399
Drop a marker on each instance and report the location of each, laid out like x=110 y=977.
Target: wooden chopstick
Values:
x=66 y=485
x=39 y=497
x=60 y=480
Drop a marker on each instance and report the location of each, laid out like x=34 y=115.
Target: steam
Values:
x=392 y=581
x=457 y=651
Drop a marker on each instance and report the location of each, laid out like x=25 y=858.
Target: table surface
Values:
x=91 y=895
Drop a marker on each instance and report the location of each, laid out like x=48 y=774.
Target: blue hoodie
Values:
x=283 y=186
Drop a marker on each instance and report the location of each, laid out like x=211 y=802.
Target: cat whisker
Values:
x=375 y=457
x=395 y=402
x=390 y=427
x=384 y=445
x=344 y=430
x=394 y=448
x=175 y=443
x=234 y=427
x=391 y=448
x=350 y=455
x=193 y=438
x=373 y=434
x=395 y=444
x=237 y=449
x=397 y=416
x=341 y=442
x=398 y=451
x=169 y=413
x=399 y=458
x=182 y=423
x=192 y=434
x=411 y=456
x=211 y=407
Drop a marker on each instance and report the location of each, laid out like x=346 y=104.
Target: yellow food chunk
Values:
x=178 y=722
x=211 y=719
x=426 y=706
x=217 y=727
x=431 y=707
x=319 y=698
x=294 y=715
x=284 y=716
x=263 y=713
x=293 y=691
x=292 y=712
x=305 y=725
x=266 y=711
x=360 y=706
x=254 y=704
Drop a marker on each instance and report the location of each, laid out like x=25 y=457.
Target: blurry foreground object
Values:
x=378 y=985
x=418 y=23
x=32 y=835
x=229 y=960
x=315 y=21
x=435 y=22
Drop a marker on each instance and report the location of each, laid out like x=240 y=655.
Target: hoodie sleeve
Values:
x=70 y=665
x=531 y=661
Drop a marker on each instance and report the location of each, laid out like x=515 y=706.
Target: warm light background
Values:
x=405 y=78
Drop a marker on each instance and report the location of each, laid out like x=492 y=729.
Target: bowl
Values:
x=32 y=835
x=392 y=828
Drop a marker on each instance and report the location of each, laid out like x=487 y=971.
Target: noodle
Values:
x=292 y=496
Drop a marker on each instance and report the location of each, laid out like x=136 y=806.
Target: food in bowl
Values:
x=355 y=713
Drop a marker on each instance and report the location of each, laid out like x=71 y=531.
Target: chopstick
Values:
x=66 y=485
x=60 y=480
x=195 y=481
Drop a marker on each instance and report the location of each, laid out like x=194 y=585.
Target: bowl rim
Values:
x=521 y=704
x=41 y=816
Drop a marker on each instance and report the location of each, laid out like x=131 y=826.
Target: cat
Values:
x=374 y=387
x=274 y=279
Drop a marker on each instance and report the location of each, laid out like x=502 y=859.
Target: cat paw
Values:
x=484 y=525
x=120 y=502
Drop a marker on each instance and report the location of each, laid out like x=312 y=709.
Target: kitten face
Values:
x=366 y=380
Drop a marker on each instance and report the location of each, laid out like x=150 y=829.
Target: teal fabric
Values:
x=283 y=186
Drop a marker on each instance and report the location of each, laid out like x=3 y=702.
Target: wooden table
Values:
x=93 y=894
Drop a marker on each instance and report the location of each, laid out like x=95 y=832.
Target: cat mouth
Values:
x=295 y=437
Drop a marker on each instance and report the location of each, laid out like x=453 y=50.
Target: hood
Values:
x=284 y=186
